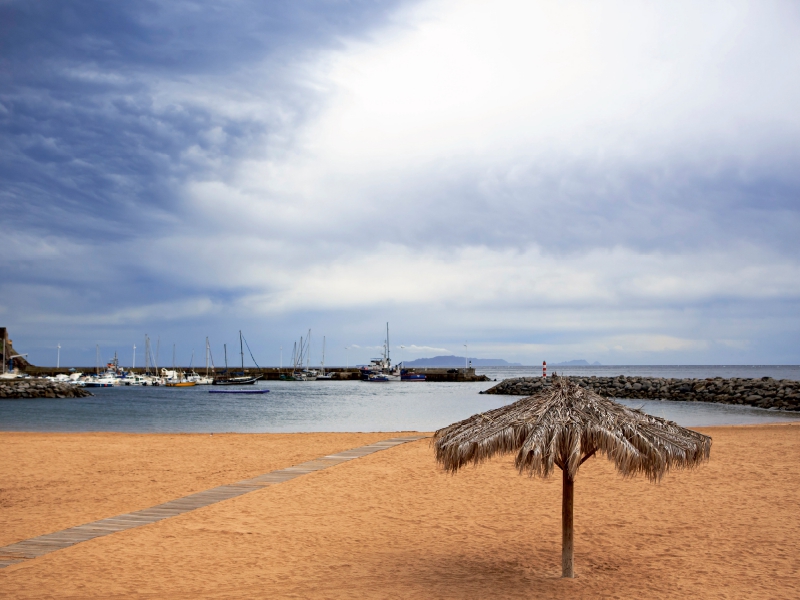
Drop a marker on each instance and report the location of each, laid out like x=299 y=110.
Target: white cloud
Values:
x=485 y=278
x=468 y=86
x=414 y=349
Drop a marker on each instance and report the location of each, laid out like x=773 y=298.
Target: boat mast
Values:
x=388 y=358
x=225 y=347
x=97 y=360
x=308 y=350
x=298 y=362
x=207 y=350
x=241 y=350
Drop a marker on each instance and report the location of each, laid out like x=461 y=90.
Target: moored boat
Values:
x=379 y=370
x=236 y=378
x=383 y=378
x=406 y=375
x=322 y=375
x=100 y=382
x=305 y=375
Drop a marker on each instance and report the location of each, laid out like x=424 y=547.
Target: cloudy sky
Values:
x=611 y=181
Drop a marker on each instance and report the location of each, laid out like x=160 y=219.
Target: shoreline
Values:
x=391 y=523
x=787 y=422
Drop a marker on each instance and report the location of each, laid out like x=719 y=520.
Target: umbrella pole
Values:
x=567 y=569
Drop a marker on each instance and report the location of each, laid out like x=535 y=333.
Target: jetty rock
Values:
x=766 y=392
x=13 y=389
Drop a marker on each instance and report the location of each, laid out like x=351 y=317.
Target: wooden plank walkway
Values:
x=44 y=544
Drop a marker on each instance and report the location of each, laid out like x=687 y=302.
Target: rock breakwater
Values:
x=11 y=389
x=766 y=392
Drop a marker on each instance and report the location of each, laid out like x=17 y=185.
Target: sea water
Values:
x=297 y=406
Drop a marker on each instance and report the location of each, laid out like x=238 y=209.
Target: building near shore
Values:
x=7 y=351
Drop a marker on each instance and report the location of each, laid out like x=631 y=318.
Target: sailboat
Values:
x=323 y=375
x=207 y=379
x=303 y=352
x=176 y=378
x=240 y=379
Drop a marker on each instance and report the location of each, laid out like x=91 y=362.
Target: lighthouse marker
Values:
x=544 y=368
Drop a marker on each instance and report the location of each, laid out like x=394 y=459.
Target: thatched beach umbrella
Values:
x=563 y=427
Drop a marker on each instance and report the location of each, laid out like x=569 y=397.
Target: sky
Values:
x=616 y=182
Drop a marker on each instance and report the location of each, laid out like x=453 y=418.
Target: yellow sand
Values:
x=391 y=525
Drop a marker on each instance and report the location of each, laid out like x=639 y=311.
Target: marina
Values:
x=315 y=406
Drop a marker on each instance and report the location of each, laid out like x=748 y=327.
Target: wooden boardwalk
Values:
x=44 y=544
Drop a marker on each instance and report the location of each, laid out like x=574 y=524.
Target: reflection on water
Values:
x=309 y=406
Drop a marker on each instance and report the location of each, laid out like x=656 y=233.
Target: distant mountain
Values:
x=458 y=361
x=577 y=363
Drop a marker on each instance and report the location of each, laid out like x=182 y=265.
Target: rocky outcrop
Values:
x=783 y=394
x=11 y=389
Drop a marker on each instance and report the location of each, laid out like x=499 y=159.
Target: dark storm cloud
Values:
x=85 y=146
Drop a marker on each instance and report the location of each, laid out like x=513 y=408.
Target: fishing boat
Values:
x=236 y=378
x=379 y=370
x=406 y=375
x=100 y=382
x=108 y=378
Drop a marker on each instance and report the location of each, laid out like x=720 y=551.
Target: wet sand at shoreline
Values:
x=391 y=525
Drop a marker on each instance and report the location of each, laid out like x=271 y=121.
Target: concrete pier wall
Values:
x=274 y=373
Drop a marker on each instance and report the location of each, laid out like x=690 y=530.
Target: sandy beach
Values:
x=391 y=525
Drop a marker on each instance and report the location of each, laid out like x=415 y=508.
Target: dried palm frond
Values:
x=565 y=425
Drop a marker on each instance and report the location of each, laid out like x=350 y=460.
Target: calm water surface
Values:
x=315 y=406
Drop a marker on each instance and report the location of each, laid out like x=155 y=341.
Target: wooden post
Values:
x=567 y=530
